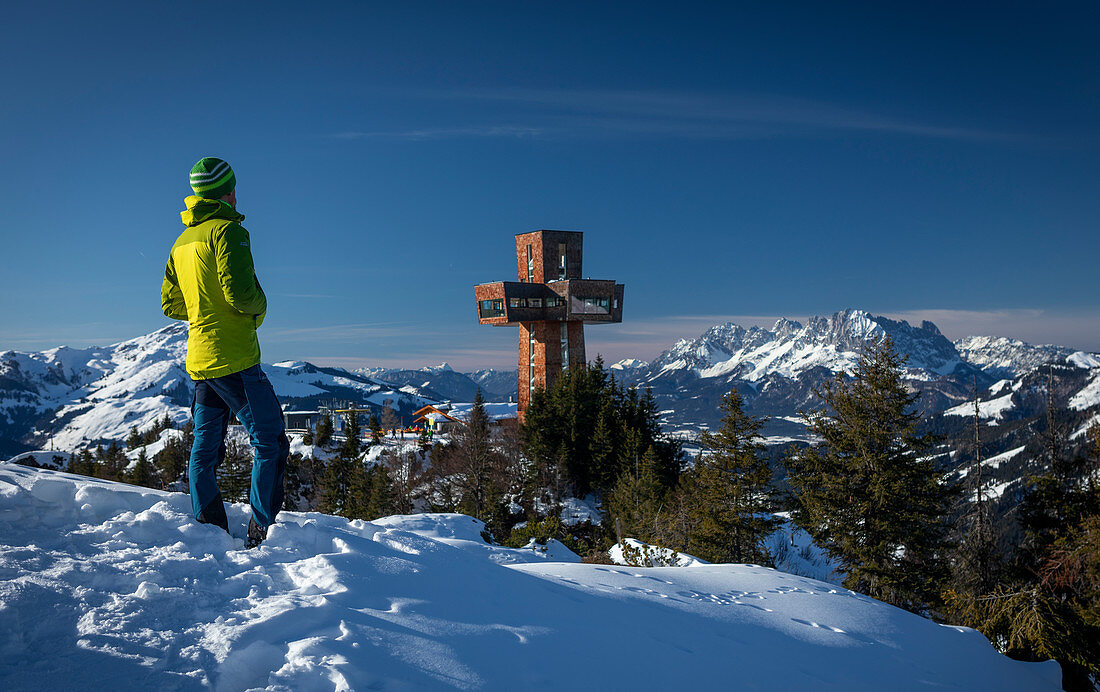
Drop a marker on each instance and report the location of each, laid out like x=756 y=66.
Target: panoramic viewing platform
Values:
x=550 y=303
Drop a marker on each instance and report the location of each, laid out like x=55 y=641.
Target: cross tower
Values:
x=551 y=304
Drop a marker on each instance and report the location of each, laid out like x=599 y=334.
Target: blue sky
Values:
x=726 y=162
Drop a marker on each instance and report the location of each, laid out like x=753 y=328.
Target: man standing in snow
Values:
x=211 y=283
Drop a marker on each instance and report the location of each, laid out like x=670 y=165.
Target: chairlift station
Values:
x=550 y=304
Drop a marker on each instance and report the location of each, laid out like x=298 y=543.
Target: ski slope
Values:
x=108 y=586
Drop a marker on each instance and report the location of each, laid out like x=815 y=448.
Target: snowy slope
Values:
x=113 y=587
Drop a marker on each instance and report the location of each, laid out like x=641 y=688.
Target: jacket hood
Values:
x=200 y=209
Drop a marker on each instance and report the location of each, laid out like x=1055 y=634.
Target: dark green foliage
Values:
x=110 y=462
x=582 y=432
x=581 y=539
x=83 y=463
x=636 y=501
x=380 y=501
x=352 y=430
x=869 y=495
x=171 y=462
x=336 y=485
x=234 y=474
x=134 y=439
x=307 y=436
x=323 y=435
x=375 y=429
x=728 y=493
x=142 y=473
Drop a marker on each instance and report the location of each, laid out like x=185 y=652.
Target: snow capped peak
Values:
x=791 y=348
x=442 y=367
x=785 y=327
x=1083 y=360
x=628 y=364
x=1003 y=357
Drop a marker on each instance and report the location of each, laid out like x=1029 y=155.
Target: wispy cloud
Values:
x=502 y=131
x=691 y=115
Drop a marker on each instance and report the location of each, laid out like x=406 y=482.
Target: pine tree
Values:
x=234 y=474
x=375 y=429
x=380 y=499
x=142 y=474
x=134 y=439
x=336 y=485
x=605 y=470
x=171 y=462
x=870 y=495
x=469 y=469
x=636 y=501
x=352 y=430
x=344 y=484
x=731 y=491
x=324 y=431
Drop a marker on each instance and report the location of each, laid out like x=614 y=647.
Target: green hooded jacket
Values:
x=210 y=281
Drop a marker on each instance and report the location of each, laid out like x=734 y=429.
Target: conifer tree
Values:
x=134 y=439
x=636 y=501
x=359 y=489
x=731 y=491
x=234 y=474
x=85 y=463
x=336 y=485
x=344 y=484
x=380 y=499
x=602 y=449
x=323 y=434
x=375 y=429
x=870 y=495
x=143 y=473
x=469 y=467
x=171 y=462
x=352 y=430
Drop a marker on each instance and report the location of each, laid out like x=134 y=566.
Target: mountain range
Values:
x=71 y=398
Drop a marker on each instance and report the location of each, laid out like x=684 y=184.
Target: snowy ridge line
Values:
x=81 y=396
x=112 y=586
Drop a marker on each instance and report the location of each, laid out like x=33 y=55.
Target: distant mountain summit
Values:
x=80 y=396
x=1002 y=357
x=790 y=348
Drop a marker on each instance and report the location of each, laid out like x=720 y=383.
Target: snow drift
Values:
x=109 y=586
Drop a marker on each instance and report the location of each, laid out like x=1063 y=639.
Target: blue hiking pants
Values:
x=248 y=395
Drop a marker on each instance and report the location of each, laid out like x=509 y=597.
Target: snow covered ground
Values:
x=108 y=586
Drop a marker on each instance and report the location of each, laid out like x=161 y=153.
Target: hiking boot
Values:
x=214 y=513
x=256 y=534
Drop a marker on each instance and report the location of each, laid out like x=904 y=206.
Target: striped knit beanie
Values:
x=212 y=178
